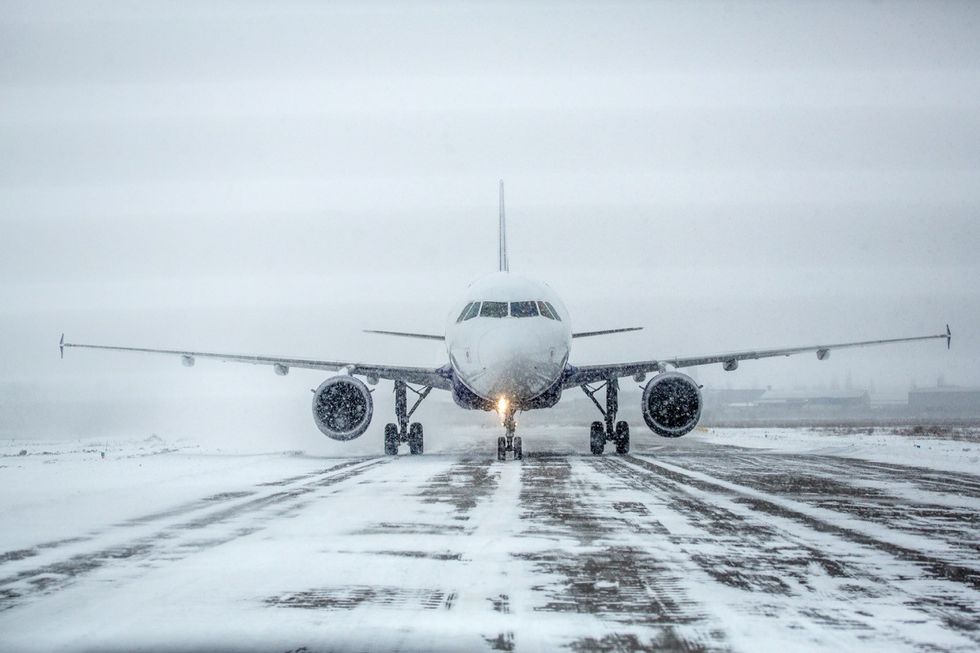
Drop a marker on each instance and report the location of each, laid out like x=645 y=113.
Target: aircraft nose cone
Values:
x=516 y=365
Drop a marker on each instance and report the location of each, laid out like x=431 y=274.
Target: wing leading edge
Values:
x=434 y=377
x=605 y=332
x=406 y=334
x=596 y=373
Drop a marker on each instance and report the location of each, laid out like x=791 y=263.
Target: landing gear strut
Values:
x=510 y=442
x=611 y=430
x=395 y=434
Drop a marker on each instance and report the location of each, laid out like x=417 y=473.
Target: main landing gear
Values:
x=611 y=431
x=395 y=434
x=510 y=442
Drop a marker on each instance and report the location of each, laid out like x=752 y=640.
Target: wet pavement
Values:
x=694 y=548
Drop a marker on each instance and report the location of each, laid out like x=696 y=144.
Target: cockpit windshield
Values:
x=529 y=308
x=493 y=309
x=523 y=309
x=462 y=314
x=472 y=310
x=548 y=311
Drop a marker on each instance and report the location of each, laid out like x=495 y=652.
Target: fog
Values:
x=274 y=178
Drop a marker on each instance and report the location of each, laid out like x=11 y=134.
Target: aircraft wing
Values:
x=596 y=373
x=433 y=377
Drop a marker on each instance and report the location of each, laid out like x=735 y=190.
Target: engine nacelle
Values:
x=672 y=404
x=342 y=407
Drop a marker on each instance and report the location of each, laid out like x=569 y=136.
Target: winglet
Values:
x=949 y=337
x=504 y=267
x=61 y=346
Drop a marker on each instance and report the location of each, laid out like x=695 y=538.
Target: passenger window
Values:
x=523 y=309
x=553 y=311
x=546 y=311
x=493 y=309
x=473 y=312
x=462 y=314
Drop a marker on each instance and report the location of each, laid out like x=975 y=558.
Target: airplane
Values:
x=508 y=343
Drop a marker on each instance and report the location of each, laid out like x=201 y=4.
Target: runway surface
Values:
x=689 y=547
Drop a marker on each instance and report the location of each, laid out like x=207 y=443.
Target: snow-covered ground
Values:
x=901 y=446
x=688 y=544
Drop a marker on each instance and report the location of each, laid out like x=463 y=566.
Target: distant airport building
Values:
x=822 y=399
x=815 y=403
x=947 y=400
x=727 y=397
x=763 y=404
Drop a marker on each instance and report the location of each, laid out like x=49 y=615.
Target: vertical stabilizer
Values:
x=504 y=267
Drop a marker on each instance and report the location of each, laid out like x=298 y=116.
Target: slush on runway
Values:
x=677 y=546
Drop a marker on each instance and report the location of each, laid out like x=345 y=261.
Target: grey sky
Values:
x=275 y=177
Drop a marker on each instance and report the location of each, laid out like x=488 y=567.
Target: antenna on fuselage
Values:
x=504 y=267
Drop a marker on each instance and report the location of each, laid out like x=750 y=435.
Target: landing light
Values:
x=502 y=407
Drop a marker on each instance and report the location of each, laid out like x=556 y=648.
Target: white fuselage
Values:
x=515 y=344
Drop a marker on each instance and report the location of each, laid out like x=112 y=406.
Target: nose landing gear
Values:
x=510 y=442
x=611 y=431
x=395 y=434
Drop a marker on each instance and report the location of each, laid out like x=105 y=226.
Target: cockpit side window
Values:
x=462 y=314
x=553 y=310
x=493 y=309
x=474 y=310
x=543 y=307
x=523 y=309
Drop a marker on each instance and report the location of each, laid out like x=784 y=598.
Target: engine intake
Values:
x=672 y=404
x=342 y=407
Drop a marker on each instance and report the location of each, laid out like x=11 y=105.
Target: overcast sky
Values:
x=274 y=177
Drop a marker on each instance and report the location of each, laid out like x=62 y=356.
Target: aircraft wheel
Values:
x=518 y=449
x=415 y=439
x=622 y=438
x=597 y=438
x=501 y=448
x=391 y=439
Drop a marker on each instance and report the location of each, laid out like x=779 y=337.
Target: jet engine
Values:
x=342 y=407
x=672 y=404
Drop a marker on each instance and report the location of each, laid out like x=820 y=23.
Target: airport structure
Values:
x=760 y=405
x=945 y=400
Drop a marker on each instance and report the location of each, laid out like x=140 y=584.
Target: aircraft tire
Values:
x=501 y=448
x=597 y=439
x=518 y=449
x=415 y=439
x=391 y=439
x=622 y=438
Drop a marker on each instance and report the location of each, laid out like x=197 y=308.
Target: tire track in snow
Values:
x=176 y=541
x=453 y=517
x=611 y=574
x=864 y=571
x=180 y=510
x=762 y=501
x=896 y=497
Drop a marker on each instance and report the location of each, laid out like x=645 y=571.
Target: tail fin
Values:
x=504 y=267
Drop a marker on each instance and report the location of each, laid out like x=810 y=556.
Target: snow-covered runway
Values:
x=699 y=546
